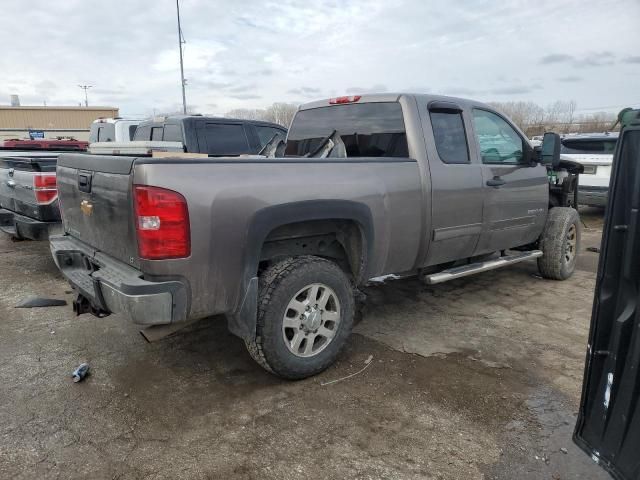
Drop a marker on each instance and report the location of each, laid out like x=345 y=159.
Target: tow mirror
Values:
x=550 y=152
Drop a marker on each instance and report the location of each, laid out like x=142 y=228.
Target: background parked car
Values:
x=595 y=152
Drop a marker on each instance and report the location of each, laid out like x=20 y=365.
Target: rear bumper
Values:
x=593 y=196
x=112 y=286
x=25 y=227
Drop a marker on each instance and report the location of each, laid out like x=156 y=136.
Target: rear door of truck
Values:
x=95 y=199
x=608 y=426
x=28 y=184
x=456 y=182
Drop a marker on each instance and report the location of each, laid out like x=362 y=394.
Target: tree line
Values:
x=532 y=118
x=280 y=113
x=559 y=116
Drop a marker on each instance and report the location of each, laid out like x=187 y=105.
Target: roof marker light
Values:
x=347 y=99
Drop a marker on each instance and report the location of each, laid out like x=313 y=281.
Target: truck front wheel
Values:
x=305 y=315
x=560 y=243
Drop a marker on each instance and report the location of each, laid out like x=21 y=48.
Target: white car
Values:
x=595 y=152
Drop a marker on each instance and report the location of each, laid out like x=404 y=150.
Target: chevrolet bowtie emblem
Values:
x=86 y=207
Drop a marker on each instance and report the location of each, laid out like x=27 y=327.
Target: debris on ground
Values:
x=564 y=450
x=593 y=249
x=34 y=302
x=80 y=373
x=367 y=362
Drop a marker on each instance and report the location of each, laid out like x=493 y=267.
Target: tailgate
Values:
x=18 y=186
x=96 y=203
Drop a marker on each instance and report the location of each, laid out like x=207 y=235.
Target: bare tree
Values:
x=246 y=113
x=280 y=113
x=528 y=116
x=596 y=122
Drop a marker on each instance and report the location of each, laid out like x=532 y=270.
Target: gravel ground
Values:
x=475 y=378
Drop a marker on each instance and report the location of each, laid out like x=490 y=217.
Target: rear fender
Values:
x=242 y=322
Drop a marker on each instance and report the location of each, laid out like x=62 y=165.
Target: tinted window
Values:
x=172 y=133
x=499 y=142
x=367 y=129
x=588 y=146
x=265 y=134
x=105 y=133
x=143 y=132
x=223 y=139
x=132 y=131
x=156 y=133
x=450 y=137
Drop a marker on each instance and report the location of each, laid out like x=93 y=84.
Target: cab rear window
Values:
x=367 y=129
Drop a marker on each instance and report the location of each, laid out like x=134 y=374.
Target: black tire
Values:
x=278 y=285
x=556 y=262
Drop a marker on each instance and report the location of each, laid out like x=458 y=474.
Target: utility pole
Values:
x=180 y=42
x=85 y=88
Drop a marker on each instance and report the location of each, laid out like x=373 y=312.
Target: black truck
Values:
x=28 y=194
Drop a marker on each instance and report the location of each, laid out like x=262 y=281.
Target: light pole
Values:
x=86 y=98
x=180 y=42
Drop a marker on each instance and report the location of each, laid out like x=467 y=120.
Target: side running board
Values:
x=466 y=270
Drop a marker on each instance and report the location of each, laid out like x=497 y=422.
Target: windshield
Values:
x=367 y=129
x=588 y=146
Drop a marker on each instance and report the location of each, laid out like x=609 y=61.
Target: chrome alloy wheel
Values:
x=311 y=320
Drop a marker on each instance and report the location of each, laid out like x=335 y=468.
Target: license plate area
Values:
x=590 y=169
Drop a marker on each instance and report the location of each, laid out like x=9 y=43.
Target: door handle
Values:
x=495 y=182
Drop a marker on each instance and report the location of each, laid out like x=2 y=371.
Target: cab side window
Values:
x=450 y=136
x=498 y=141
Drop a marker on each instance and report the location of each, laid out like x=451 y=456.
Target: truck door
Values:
x=516 y=194
x=608 y=426
x=456 y=183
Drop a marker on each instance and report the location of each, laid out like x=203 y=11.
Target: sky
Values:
x=249 y=54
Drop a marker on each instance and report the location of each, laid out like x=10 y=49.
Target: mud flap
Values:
x=608 y=426
x=242 y=323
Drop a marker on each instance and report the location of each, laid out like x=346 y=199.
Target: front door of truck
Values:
x=516 y=194
x=608 y=427
x=456 y=183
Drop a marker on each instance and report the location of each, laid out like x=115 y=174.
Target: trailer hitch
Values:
x=82 y=305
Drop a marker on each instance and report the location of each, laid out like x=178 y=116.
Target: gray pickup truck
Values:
x=369 y=185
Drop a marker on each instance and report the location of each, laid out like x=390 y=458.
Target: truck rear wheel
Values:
x=305 y=315
x=560 y=242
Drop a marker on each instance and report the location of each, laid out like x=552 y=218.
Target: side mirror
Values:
x=550 y=151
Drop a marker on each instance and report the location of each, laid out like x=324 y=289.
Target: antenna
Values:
x=180 y=43
x=85 y=88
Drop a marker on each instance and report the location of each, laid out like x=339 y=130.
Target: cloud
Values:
x=570 y=78
x=379 y=88
x=513 y=90
x=556 y=58
x=245 y=96
x=305 y=91
x=596 y=59
x=242 y=88
x=252 y=53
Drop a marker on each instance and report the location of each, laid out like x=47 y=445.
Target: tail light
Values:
x=162 y=223
x=339 y=100
x=44 y=186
